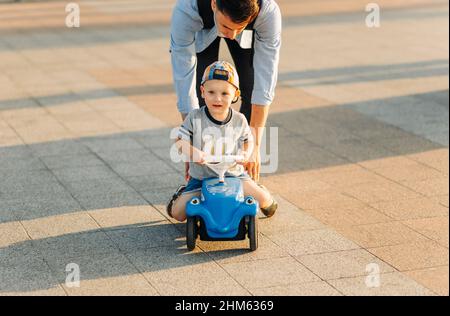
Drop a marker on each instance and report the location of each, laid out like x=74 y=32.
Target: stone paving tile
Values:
x=136 y=120
x=129 y=238
x=111 y=143
x=283 y=271
x=288 y=218
x=59 y=225
x=401 y=142
x=97 y=187
x=6 y=214
x=381 y=234
x=342 y=264
x=15 y=152
x=411 y=208
x=68 y=246
x=156 y=183
x=88 y=124
x=64 y=147
x=332 y=199
x=126 y=215
x=436 y=279
x=379 y=192
x=102 y=274
x=29 y=164
x=304 y=289
x=38 y=187
x=435 y=228
x=442 y=199
x=391 y=284
x=238 y=251
x=151 y=169
x=17 y=180
x=36 y=207
x=127 y=156
x=84 y=173
x=413 y=256
x=111 y=199
x=429 y=187
x=387 y=162
x=342 y=216
x=160 y=197
x=415 y=172
x=35 y=278
x=303 y=182
x=175 y=271
x=312 y=157
x=356 y=150
x=156 y=139
x=437 y=159
x=312 y=242
x=12 y=233
x=71 y=161
x=19 y=254
x=351 y=175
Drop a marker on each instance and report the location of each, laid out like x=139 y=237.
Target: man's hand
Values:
x=187 y=177
x=257 y=124
x=253 y=165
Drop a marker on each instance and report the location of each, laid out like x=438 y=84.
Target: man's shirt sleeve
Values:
x=185 y=23
x=267 y=54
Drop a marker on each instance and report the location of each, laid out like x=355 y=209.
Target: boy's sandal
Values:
x=175 y=196
x=270 y=210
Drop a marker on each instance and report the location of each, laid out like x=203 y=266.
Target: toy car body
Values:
x=222 y=213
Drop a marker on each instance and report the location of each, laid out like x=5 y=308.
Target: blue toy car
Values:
x=222 y=212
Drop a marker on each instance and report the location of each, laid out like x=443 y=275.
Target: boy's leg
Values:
x=204 y=59
x=179 y=205
x=243 y=60
x=267 y=203
x=263 y=196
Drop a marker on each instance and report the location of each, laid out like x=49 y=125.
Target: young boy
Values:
x=216 y=129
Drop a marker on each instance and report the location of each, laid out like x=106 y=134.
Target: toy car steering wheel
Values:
x=221 y=164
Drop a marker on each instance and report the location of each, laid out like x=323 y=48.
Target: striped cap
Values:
x=221 y=70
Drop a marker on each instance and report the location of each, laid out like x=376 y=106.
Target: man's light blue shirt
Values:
x=188 y=38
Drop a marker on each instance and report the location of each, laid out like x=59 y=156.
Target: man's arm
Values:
x=257 y=124
x=266 y=58
x=185 y=23
x=267 y=47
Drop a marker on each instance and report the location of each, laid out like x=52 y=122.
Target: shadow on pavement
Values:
x=135 y=168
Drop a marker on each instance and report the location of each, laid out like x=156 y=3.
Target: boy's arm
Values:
x=193 y=154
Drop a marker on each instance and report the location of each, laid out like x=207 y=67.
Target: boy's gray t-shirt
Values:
x=215 y=138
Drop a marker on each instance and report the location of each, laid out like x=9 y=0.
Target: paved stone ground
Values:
x=85 y=117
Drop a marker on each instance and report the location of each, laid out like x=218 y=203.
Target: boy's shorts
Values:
x=195 y=185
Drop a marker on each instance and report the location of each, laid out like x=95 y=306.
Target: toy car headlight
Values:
x=249 y=201
x=195 y=201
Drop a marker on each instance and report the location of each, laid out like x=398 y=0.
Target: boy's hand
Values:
x=198 y=156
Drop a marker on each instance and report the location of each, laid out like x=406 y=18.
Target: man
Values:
x=252 y=31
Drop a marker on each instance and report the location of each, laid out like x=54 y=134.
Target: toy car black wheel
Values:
x=253 y=232
x=191 y=232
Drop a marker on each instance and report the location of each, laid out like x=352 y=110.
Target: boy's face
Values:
x=218 y=95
